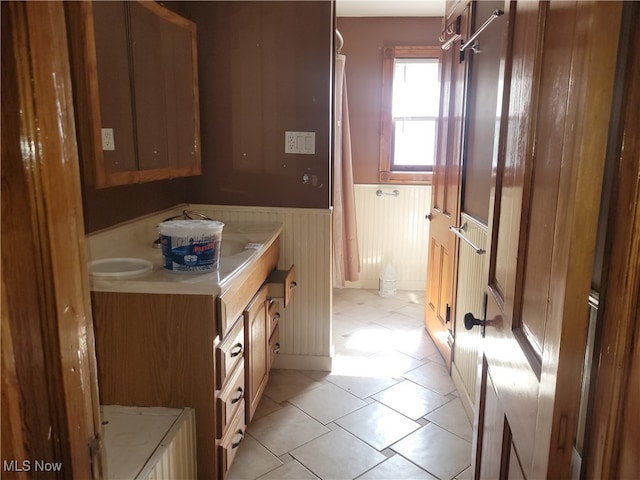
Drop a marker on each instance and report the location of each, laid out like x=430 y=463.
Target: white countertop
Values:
x=242 y=244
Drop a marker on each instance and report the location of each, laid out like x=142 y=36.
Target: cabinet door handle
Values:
x=236 y=444
x=276 y=316
x=236 y=350
x=276 y=348
x=292 y=285
x=236 y=399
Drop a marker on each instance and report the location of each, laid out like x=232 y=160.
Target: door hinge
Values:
x=95 y=446
x=447 y=317
x=562 y=433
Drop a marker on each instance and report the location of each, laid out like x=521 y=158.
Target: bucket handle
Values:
x=188 y=214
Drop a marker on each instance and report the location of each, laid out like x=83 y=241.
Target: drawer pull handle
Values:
x=239 y=396
x=236 y=444
x=236 y=350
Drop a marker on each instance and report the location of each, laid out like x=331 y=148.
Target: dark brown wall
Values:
x=264 y=68
x=108 y=206
x=364 y=39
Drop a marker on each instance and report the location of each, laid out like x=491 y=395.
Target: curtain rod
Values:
x=340 y=43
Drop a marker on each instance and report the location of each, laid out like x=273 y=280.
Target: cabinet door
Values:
x=134 y=67
x=114 y=85
x=256 y=329
x=148 y=86
x=165 y=89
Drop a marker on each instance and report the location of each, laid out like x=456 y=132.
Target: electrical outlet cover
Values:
x=108 y=142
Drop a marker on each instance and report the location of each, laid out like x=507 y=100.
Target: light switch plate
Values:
x=300 y=142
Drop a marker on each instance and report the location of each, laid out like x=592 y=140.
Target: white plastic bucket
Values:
x=191 y=246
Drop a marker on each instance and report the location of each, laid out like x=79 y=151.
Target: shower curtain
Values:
x=346 y=258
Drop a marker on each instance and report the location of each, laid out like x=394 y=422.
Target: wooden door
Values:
x=445 y=201
x=49 y=403
x=557 y=78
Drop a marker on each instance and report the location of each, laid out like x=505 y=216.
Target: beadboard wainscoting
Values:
x=305 y=325
x=471 y=287
x=177 y=455
x=393 y=228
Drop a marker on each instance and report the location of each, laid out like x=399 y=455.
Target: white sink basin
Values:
x=231 y=247
x=242 y=243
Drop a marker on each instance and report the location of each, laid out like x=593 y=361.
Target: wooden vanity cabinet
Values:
x=134 y=69
x=210 y=352
x=157 y=350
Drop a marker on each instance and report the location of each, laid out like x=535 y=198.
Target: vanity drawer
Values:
x=229 y=353
x=233 y=301
x=274 y=315
x=230 y=399
x=228 y=445
x=274 y=345
x=281 y=284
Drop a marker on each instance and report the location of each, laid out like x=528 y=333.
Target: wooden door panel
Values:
x=437 y=201
x=499 y=452
x=512 y=366
x=542 y=195
x=445 y=210
x=492 y=431
x=444 y=300
x=439 y=297
x=432 y=276
x=512 y=376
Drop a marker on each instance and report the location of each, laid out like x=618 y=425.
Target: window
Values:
x=410 y=105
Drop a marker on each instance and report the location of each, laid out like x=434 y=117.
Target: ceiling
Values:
x=390 y=8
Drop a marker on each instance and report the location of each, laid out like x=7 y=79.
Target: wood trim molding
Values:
x=385 y=174
x=613 y=428
x=45 y=281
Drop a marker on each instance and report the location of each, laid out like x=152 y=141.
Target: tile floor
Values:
x=388 y=410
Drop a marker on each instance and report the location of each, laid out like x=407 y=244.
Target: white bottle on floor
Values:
x=387 y=281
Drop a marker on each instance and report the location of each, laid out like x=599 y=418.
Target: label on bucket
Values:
x=190 y=254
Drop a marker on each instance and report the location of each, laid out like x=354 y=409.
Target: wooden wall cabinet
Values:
x=134 y=66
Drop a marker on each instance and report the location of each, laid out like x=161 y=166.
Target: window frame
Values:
x=386 y=173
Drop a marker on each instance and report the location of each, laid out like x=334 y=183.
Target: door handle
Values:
x=471 y=321
x=428 y=216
